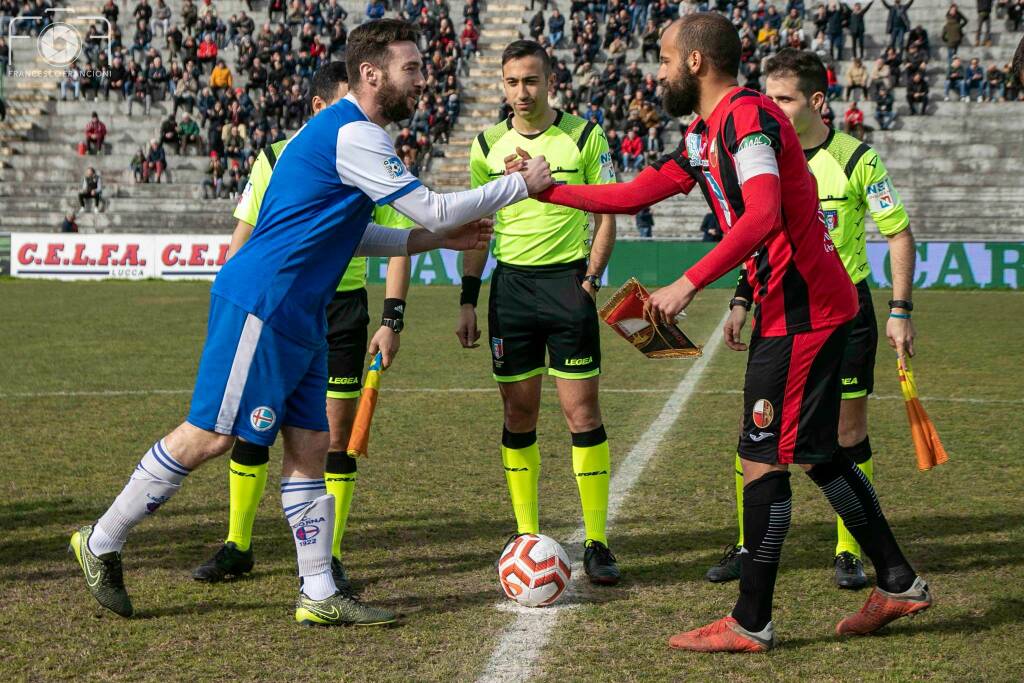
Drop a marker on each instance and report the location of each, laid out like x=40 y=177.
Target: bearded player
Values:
x=747 y=159
x=347 y=319
x=851 y=181
x=542 y=300
x=264 y=364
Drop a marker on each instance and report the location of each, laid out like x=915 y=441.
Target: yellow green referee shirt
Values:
x=532 y=233
x=852 y=181
x=248 y=209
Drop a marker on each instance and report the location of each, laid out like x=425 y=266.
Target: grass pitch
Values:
x=92 y=373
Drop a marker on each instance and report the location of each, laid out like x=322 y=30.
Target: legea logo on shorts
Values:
x=262 y=419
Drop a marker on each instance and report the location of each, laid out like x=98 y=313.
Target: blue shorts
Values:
x=252 y=379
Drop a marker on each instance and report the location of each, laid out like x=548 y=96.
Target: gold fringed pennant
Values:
x=628 y=314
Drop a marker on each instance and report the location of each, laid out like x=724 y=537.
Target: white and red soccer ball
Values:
x=534 y=570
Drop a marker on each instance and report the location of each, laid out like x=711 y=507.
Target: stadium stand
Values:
x=959 y=168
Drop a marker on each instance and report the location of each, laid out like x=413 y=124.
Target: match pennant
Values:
x=628 y=314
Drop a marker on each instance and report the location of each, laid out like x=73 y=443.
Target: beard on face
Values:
x=394 y=103
x=681 y=96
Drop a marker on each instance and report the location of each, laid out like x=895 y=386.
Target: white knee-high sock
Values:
x=156 y=478
x=309 y=510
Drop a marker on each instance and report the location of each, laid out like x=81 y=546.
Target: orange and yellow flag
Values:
x=927 y=445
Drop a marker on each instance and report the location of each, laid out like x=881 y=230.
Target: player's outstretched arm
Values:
x=436 y=211
x=381 y=241
x=649 y=187
x=241 y=235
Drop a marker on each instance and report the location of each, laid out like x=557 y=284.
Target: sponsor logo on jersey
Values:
x=606 y=158
x=394 y=167
x=579 y=361
x=755 y=140
x=245 y=194
x=497 y=347
x=263 y=418
x=881 y=196
x=720 y=196
x=763 y=413
x=831 y=218
x=695 y=149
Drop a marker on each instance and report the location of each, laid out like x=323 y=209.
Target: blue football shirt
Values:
x=313 y=216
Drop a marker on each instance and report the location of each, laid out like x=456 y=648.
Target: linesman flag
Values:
x=927 y=444
x=628 y=314
x=359 y=441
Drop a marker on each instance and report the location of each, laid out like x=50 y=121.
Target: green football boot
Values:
x=103 y=575
x=340 y=610
x=228 y=562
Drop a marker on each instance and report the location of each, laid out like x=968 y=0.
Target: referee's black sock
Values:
x=853 y=497
x=767 y=507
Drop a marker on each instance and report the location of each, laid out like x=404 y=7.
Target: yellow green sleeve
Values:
x=597 y=159
x=884 y=203
x=479 y=173
x=389 y=218
x=248 y=208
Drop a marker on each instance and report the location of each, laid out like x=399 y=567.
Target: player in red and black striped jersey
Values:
x=748 y=162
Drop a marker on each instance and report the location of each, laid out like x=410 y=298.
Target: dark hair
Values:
x=369 y=42
x=714 y=36
x=326 y=80
x=805 y=65
x=518 y=49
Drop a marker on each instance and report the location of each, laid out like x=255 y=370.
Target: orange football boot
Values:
x=724 y=635
x=883 y=607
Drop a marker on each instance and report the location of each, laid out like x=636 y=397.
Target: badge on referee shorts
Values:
x=497 y=347
x=263 y=418
x=763 y=413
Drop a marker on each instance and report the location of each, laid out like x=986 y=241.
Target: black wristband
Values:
x=739 y=301
x=901 y=303
x=470 y=290
x=394 y=309
x=744 y=290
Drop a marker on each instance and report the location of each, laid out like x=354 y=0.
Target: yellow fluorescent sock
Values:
x=739 y=496
x=845 y=542
x=245 y=487
x=522 y=472
x=342 y=487
x=592 y=466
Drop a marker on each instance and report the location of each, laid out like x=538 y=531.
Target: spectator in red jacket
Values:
x=207 y=52
x=632 y=151
x=95 y=134
x=853 y=121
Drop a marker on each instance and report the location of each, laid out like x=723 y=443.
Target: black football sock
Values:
x=767 y=507
x=853 y=497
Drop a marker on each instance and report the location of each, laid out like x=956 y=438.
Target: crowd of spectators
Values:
x=599 y=82
x=229 y=107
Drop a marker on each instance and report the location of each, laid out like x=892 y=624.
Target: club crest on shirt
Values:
x=695 y=149
x=831 y=218
x=713 y=154
x=394 y=167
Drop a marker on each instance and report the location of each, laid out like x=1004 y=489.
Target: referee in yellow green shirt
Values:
x=347 y=319
x=542 y=317
x=852 y=182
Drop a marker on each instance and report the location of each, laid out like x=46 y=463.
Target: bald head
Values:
x=710 y=34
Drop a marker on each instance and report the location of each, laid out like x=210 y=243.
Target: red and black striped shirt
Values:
x=798 y=279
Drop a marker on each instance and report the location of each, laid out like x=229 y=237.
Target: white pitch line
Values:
x=521 y=643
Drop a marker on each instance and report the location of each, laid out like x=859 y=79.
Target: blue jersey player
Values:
x=264 y=366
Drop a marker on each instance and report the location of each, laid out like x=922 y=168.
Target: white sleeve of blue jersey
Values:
x=365 y=158
x=435 y=211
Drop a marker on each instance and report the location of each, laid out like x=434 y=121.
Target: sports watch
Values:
x=396 y=324
x=901 y=303
x=594 y=281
